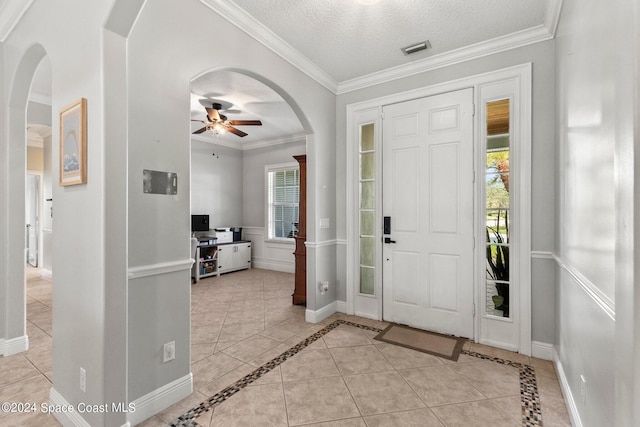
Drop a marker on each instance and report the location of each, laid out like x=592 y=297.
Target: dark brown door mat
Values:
x=439 y=345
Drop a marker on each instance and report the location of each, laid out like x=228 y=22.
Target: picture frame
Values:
x=73 y=143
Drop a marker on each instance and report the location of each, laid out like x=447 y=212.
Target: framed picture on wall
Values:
x=73 y=143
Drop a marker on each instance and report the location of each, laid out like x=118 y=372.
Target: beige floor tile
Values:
x=490 y=378
x=34 y=389
x=240 y=331
x=349 y=422
x=244 y=316
x=438 y=385
x=179 y=408
x=220 y=383
x=405 y=358
x=261 y=405
x=346 y=336
x=16 y=368
x=285 y=330
x=318 y=400
x=414 y=418
x=484 y=413
x=250 y=348
x=272 y=377
x=205 y=334
x=263 y=358
x=308 y=365
x=360 y=360
x=211 y=368
x=380 y=392
x=502 y=354
x=201 y=351
x=154 y=421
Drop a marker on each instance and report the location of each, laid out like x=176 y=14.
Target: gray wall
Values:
x=597 y=327
x=543 y=173
x=253 y=163
x=217 y=183
x=162 y=60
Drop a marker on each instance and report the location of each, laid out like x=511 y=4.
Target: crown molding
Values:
x=474 y=51
x=552 y=16
x=252 y=145
x=247 y=23
x=274 y=141
x=10 y=14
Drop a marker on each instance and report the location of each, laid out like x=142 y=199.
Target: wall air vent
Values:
x=416 y=47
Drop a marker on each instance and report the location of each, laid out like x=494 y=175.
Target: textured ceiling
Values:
x=349 y=39
x=346 y=39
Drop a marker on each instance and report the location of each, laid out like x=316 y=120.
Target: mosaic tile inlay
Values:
x=530 y=399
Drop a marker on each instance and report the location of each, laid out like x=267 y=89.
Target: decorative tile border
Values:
x=531 y=413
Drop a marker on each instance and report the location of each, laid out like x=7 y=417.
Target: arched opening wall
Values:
x=166 y=49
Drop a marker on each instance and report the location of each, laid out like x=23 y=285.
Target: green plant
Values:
x=498 y=262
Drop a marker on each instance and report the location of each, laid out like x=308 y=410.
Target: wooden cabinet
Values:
x=234 y=256
x=300 y=289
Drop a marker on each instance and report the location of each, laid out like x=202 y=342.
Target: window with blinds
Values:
x=283 y=186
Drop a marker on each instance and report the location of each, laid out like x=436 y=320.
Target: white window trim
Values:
x=267 y=169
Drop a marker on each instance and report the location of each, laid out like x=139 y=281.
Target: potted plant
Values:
x=498 y=263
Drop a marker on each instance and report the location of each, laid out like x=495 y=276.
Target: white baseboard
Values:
x=542 y=350
x=46 y=273
x=319 y=315
x=341 y=306
x=566 y=392
x=66 y=418
x=160 y=399
x=14 y=345
x=273 y=264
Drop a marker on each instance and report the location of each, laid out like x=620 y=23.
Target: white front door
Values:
x=428 y=196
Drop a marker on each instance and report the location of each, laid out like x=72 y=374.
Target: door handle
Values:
x=388 y=240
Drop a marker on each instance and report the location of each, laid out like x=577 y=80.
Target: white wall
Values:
x=597 y=330
x=543 y=174
x=217 y=183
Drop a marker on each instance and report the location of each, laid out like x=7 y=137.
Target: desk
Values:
x=213 y=259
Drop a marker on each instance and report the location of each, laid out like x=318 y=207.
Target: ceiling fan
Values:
x=219 y=123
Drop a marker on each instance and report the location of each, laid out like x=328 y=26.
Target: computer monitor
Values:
x=199 y=223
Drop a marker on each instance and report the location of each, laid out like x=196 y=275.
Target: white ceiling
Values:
x=350 y=39
x=345 y=45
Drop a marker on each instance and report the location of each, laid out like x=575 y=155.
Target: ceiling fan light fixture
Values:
x=416 y=47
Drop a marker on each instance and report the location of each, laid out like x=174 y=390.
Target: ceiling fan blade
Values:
x=213 y=114
x=200 y=130
x=236 y=131
x=201 y=121
x=245 y=122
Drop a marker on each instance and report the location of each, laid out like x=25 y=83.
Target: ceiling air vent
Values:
x=416 y=47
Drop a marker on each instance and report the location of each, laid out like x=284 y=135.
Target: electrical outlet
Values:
x=324 y=287
x=169 y=352
x=83 y=380
x=583 y=389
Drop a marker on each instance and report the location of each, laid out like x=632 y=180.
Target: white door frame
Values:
x=370 y=111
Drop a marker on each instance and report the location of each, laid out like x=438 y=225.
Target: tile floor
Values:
x=244 y=319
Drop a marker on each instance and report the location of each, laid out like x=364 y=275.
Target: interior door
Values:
x=32 y=220
x=428 y=197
